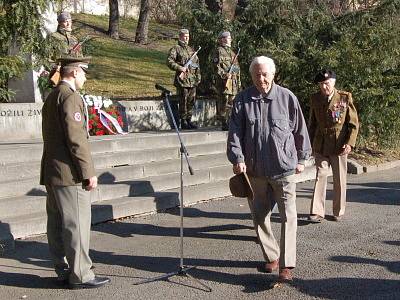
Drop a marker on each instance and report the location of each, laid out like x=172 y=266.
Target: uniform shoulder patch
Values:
x=216 y=59
x=77 y=116
x=343 y=93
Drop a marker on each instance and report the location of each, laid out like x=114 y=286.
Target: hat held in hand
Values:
x=240 y=186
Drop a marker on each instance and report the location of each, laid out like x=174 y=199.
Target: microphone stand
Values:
x=182 y=269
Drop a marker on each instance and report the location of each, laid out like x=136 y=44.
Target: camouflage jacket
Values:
x=222 y=59
x=65 y=43
x=178 y=56
x=332 y=123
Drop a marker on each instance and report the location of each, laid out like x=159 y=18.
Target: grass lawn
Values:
x=121 y=68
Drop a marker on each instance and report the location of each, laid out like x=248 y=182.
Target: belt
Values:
x=329 y=130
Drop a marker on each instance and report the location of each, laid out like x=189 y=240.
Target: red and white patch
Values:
x=77 y=116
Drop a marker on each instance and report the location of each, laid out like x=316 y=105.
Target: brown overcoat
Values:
x=332 y=123
x=66 y=156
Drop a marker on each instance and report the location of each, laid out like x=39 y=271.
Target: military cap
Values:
x=323 y=75
x=240 y=186
x=224 y=34
x=82 y=62
x=64 y=16
x=183 y=31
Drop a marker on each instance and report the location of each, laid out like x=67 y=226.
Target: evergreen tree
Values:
x=21 y=26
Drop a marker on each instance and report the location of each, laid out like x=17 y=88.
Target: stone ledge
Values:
x=353 y=167
x=381 y=167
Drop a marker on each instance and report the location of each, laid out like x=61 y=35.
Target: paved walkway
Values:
x=357 y=258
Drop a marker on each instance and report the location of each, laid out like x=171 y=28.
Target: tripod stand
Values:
x=182 y=269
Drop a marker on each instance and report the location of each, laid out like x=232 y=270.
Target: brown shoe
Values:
x=285 y=274
x=271 y=266
x=337 y=218
x=315 y=218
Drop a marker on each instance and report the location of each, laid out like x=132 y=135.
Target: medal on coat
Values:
x=338 y=111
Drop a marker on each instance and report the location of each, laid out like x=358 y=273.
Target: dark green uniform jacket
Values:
x=332 y=123
x=66 y=156
x=177 y=57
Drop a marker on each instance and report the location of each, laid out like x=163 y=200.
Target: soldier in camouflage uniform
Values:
x=65 y=44
x=227 y=81
x=64 y=39
x=333 y=129
x=186 y=78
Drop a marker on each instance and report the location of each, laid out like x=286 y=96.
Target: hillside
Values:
x=121 y=68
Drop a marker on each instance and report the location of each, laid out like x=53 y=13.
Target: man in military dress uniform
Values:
x=186 y=78
x=227 y=81
x=68 y=173
x=333 y=129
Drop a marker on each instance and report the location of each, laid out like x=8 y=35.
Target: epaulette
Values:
x=343 y=93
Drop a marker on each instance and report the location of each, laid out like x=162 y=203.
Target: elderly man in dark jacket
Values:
x=268 y=139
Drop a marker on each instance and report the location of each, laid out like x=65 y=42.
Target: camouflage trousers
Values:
x=187 y=97
x=224 y=107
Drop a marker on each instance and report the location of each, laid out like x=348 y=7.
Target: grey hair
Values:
x=263 y=60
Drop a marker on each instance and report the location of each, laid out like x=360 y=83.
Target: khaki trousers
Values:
x=283 y=191
x=339 y=171
x=68 y=231
x=224 y=107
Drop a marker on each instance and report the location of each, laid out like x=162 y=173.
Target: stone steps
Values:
x=138 y=173
x=36 y=199
x=33 y=223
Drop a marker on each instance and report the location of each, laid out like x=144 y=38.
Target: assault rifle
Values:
x=78 y=45
x=189 y=64
x=232 y=69
x=55 y=73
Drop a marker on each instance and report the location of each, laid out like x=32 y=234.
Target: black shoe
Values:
x=224 y=127
x=91 y=284
x=62 y=281
x=190 y=124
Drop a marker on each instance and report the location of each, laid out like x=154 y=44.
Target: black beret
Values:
x=324 y=75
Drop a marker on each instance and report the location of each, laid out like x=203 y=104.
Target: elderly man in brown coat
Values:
x=68 y=173
x=333 y=129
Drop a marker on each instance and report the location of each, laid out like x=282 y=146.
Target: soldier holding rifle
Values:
x=184 y=61
x=228 y=77
x=66 y=43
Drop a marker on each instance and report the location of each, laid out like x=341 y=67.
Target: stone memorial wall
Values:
x=24 y=120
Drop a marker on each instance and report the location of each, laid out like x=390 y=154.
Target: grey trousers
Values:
x=339 y=171
x=283 y=191
x=68 y=231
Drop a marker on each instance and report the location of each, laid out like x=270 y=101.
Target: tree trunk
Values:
x=143 y=23
x=113 y=22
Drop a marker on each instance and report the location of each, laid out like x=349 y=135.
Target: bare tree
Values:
x=113 y=21
x=143 y=23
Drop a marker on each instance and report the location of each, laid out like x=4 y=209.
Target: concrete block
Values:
x=353 y=167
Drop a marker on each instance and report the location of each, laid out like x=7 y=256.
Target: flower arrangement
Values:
x=104 y=117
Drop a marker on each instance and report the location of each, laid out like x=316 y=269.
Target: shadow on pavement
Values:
x=392 y=266
x=124 y=230
x=348 y=288
x=384 y=193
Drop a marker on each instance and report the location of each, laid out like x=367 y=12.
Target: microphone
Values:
x=163 y=89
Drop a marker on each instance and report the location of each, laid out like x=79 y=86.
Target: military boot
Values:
x=184 y=124
x=191 y=124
